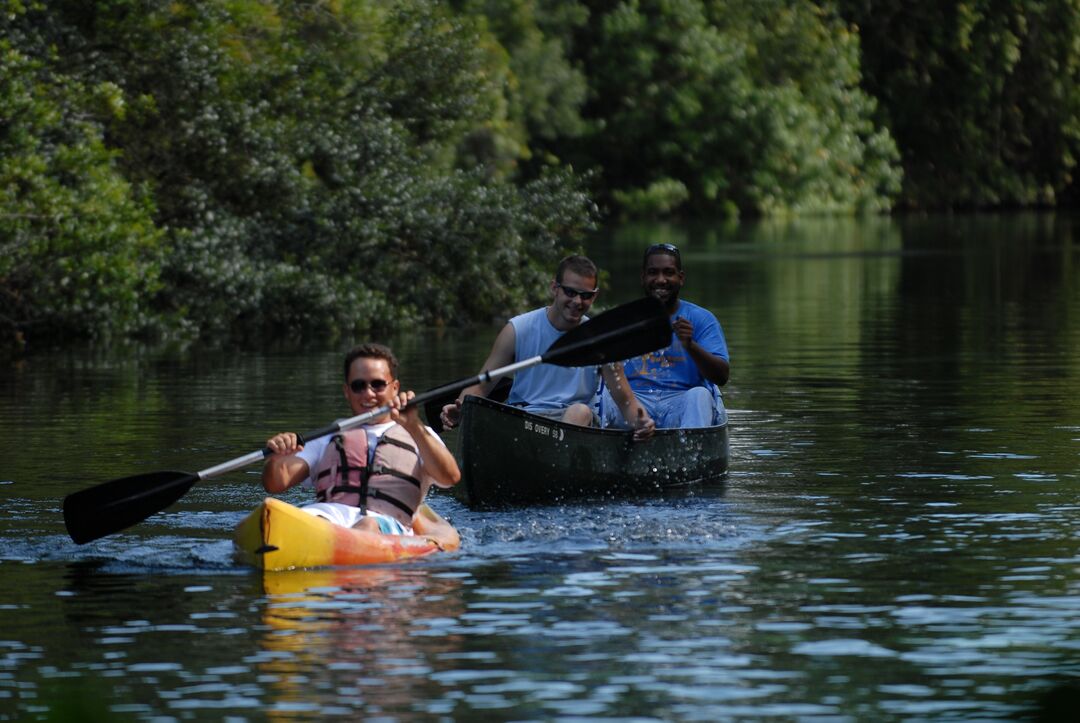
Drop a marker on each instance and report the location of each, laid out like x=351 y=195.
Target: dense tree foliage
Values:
x=983 y=96
x=698 y=106
x=329 y=168
x=313 y=167
x=731 y=107
x=79 y=251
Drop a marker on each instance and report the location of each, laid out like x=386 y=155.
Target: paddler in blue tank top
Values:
x=678 y=385
x=420 y=456
x=561 y=393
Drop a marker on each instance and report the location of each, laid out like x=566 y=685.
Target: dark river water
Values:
x=898 y=539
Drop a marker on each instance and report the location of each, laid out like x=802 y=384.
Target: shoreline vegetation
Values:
x=250 y=169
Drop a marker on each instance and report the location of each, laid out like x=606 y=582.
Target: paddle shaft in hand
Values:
x=629 y=330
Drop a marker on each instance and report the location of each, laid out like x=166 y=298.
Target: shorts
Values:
x=556 y=415
x=694 y=407
x=348 y=516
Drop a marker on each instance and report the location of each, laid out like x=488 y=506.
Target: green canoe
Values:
x=511 y=457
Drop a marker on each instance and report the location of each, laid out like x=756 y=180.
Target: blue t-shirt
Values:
x=672 y=368
x=546 y=386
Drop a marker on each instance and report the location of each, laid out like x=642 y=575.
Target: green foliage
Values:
x=821 y=151
x=982 y=96
x=755 y=105
x=318 y=168
x=79 y=252
x=544 y=90
x=660 y=198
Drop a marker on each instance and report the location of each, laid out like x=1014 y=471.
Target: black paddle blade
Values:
x=629 y=330
x=119 y=504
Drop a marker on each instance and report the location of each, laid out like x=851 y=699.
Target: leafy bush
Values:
x=752 y=105
x=316 y=167
x=79 y=251
x=659 y=198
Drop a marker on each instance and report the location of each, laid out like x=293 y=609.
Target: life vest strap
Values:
x=376 y=494
x=343 y=470
x=324 y=495
x=372 y=494
x=368 y=493
x=381 y=469
x=386 y=439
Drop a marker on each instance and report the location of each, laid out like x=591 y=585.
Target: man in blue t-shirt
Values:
x=678 y=385
x=565 y=394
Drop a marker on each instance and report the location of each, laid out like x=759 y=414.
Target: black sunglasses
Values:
x=671 y=249
x=359 y=386
x=572 y=292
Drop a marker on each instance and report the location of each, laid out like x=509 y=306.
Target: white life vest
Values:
x=390 y=484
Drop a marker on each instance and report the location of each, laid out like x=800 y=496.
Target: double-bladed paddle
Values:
x=629 y=330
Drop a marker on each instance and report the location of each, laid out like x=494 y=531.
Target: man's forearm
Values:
x=712 y=367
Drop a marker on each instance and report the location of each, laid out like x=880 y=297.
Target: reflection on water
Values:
x=331 y=637
x=897 y=540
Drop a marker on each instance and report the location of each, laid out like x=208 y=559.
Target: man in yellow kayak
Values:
x=374 y=476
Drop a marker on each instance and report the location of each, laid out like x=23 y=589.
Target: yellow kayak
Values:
x=279 y=536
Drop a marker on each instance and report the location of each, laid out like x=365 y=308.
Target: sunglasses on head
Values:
x=359 y=386
x=572 y=292
x=670 y=249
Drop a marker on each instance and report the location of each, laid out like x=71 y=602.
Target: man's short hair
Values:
x=664 y=248
x=371 y=350
x=579 y=265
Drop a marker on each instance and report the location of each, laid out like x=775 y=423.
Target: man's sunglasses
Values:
x=670 y=249
x=572 y=292
x=359 y=386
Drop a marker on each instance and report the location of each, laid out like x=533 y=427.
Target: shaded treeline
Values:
x=257 y=170
x=982 y=97
x=263 y=170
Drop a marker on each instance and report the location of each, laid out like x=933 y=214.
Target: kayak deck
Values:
x=279 y=536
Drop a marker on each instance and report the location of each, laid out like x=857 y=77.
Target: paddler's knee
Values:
x=579 y=414
x=369 y=524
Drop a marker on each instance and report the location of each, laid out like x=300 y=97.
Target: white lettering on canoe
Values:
x=543 y=429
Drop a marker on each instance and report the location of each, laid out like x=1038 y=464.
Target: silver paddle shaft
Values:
x=351 y=422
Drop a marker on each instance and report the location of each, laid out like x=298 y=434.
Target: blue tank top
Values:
x=546 y=386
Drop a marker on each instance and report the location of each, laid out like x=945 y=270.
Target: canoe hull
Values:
x=279 y=536
x=511 y=457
